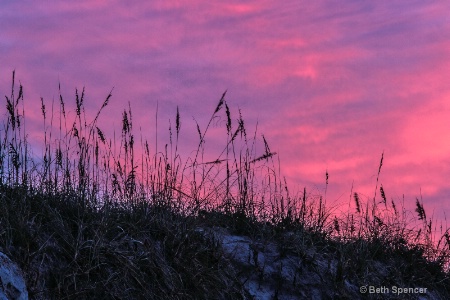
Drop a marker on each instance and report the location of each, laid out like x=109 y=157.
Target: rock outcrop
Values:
x=12 y=284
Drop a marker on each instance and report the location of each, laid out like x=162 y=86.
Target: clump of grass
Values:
x=94 y=219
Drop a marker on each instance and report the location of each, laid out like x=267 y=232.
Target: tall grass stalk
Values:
x=94 y=179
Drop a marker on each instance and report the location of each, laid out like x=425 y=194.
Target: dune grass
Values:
x=95 y=218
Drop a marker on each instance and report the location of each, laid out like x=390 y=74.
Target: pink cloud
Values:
x=332 y=86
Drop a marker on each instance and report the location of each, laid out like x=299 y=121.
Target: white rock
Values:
x=12 y=284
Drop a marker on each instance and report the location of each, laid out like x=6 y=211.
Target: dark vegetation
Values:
x=94 y=220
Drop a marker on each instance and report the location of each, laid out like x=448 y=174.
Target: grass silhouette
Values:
x=92 y=219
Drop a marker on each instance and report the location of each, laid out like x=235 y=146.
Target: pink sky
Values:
x=332 y=84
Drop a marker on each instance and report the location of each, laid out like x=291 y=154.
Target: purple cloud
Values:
x=331 y=85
